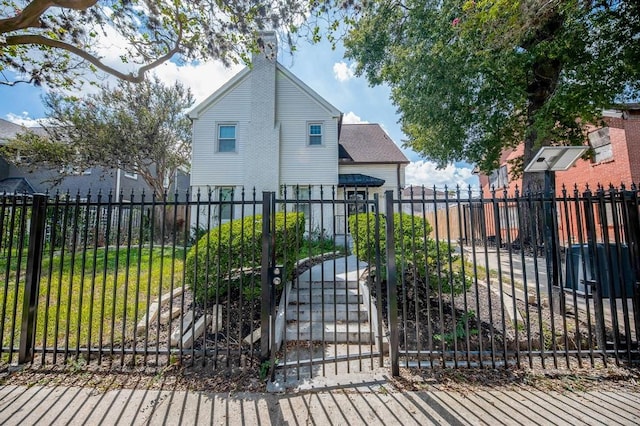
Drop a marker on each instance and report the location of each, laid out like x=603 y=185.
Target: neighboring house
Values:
x=267 y=130
x=24 y=179
x=615 y=159
x=425 y=200
x=448 y=213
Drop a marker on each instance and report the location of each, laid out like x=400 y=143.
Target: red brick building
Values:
x=616 y=157
x=615 y=161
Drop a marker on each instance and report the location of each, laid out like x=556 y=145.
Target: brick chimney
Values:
x=264 y=132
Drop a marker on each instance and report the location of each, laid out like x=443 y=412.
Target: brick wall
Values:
x=632 y=130
x=623 y=167
x=612 y=171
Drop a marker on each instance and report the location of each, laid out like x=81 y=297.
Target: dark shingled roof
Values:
x=368 y=143
x=359 y=180
x=421 y=192
x=9 y=130
x=15 y=185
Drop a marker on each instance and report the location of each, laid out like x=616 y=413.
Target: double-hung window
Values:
x=226 y=197
x=315 y=134
x=226 y=138
x=303 y=205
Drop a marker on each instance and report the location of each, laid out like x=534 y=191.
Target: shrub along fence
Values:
x=481 y=282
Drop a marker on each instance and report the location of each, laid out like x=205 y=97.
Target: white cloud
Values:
x=426 y=173
x=352 y=118
x=23 y=119
x=343 y=72
x=203 y=79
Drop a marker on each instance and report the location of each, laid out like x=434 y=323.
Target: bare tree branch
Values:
x=133 y=78
x=30 y=16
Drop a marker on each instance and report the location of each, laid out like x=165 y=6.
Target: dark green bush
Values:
x=415 y=252
x=229 y=256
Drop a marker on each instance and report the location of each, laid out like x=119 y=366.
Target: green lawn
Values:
x=82 y=298
x=86 y=300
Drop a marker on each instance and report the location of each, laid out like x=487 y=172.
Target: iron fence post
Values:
x=32 y=281
x=376 y=230
x=596 y=280
x=632 y=228
x=556 y=299
x=265 y=289
x=392 y=288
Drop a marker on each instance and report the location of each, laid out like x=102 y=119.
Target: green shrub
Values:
x=415 y=252
x=229 y=257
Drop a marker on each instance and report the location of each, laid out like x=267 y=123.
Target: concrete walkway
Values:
x=370 y=404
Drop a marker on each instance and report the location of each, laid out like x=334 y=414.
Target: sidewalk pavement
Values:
x=362 y=403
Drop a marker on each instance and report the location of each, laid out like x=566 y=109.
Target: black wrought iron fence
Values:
x=514 y=279
x=456 y=278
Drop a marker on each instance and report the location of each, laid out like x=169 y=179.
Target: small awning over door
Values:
x=357 y=180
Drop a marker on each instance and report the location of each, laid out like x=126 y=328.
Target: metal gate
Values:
x=321 y=284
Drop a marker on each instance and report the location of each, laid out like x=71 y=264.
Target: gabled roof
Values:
x=9 y=130
x=223 y=90
x=15 y=185
x=421 y=192
x=245 y=73
x=309 y=91
x=368 y=143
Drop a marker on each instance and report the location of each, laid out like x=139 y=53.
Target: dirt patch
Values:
x=599 y=378
x=486 y=324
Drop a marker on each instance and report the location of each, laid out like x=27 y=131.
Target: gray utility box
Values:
x=610 y=273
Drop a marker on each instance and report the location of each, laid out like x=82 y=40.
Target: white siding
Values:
x=209 y=167
x=300 y=163
x=388 y=172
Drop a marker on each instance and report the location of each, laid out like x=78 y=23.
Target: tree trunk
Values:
x=544 y=78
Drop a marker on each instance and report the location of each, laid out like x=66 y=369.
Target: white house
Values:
x=266 y=129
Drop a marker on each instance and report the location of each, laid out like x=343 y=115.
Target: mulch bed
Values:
x=479 y=321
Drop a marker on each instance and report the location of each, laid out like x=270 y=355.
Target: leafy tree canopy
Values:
x=54 y=41
x=137 y=127
x=471 y=78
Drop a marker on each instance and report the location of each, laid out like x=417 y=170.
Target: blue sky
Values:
x=323 y=69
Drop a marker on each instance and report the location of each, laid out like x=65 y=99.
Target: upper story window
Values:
x=315 y=134
x=499 y=178
x=227 y=138
x=600 y=141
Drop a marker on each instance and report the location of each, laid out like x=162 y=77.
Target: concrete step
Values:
x=333 y=332
x=332 y=312
x=328 y=284
x=328 y=296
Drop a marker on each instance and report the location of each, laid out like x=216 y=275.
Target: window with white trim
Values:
x=499 y=178
x=130 y=175
x=357 y=202
x=315 y=134
x=600 y=141
x=302 y=195
x=225 y=195
x=227 y=138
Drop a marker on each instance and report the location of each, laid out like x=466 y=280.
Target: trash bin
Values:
x=608 y=269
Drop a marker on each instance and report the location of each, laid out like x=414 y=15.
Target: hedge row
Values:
x=227 y=257
x=415 y=251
